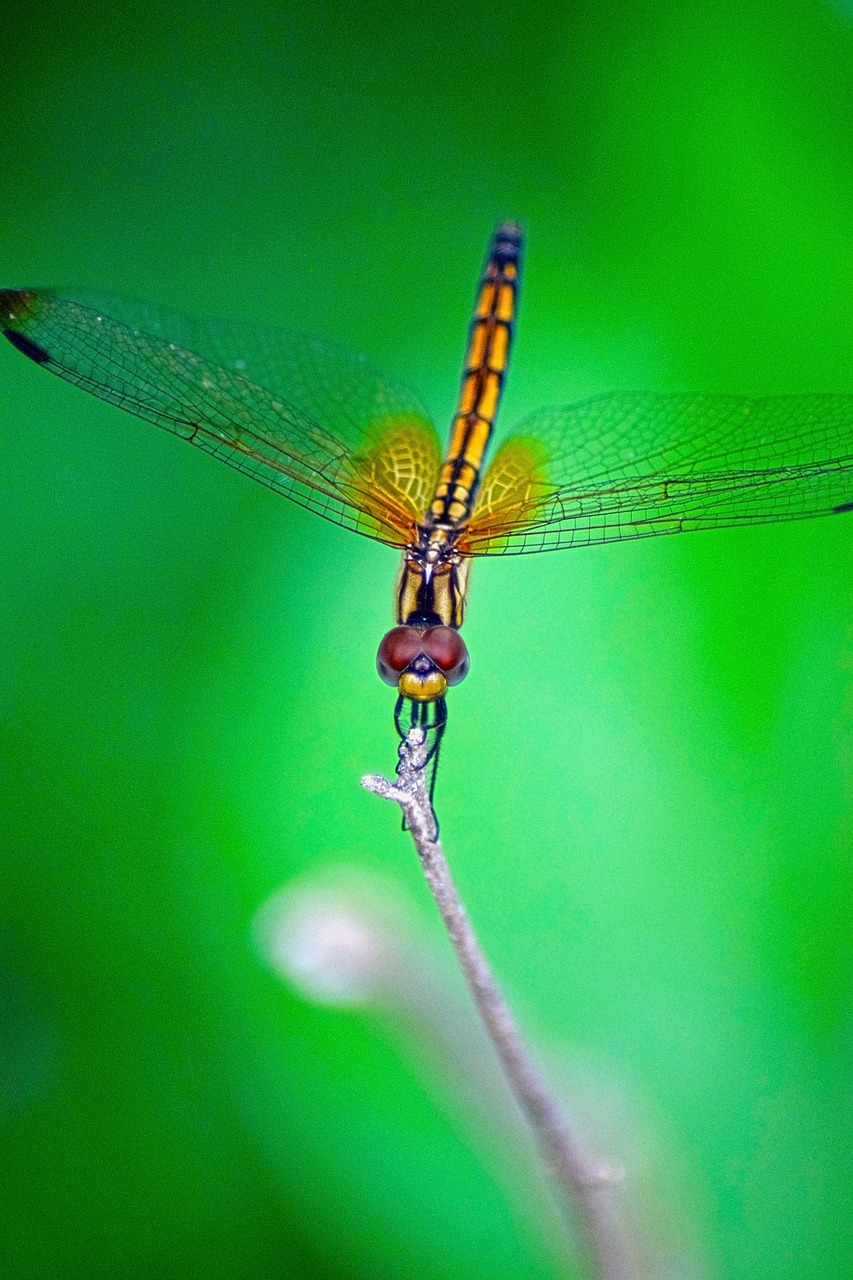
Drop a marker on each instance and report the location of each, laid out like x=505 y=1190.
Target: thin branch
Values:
x=586 y=1185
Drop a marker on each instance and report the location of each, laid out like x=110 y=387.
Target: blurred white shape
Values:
x=345 y=938
x=339 y=940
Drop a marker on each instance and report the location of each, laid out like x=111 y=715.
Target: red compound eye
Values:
x=446 y=648
x=398 y=648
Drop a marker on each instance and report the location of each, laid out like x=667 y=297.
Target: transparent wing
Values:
x=633 y=465
x=306 y=418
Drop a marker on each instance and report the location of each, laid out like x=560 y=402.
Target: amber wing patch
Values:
x=395 y=471
x=511 y=495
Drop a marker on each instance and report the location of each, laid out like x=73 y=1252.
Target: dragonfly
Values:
x=321 y=426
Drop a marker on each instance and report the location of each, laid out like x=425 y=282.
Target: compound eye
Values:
x=448 y=651
x=397 y=649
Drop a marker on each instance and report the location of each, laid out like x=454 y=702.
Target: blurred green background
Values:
x=647 y=781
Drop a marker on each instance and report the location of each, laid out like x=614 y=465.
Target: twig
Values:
x=586 y=1185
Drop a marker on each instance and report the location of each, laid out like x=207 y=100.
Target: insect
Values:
x=320 y=426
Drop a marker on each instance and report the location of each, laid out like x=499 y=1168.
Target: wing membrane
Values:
x=633 y=464
x=303 y=417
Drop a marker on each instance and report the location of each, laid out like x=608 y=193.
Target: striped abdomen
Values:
x=489 y=339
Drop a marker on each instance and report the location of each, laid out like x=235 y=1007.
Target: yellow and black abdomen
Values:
x=489 y=340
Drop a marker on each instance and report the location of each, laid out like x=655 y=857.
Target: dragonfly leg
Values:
x=431 y=717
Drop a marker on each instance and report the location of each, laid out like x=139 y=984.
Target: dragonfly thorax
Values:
x=436 y=542
x=432 y=580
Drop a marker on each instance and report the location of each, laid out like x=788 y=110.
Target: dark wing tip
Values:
x=27 y=347
x=16 y=310
x=16 y=304
x=842 y=506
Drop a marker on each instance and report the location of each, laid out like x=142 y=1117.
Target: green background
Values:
x=648 y=775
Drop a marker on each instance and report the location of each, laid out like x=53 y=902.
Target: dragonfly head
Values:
x=422 y=661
